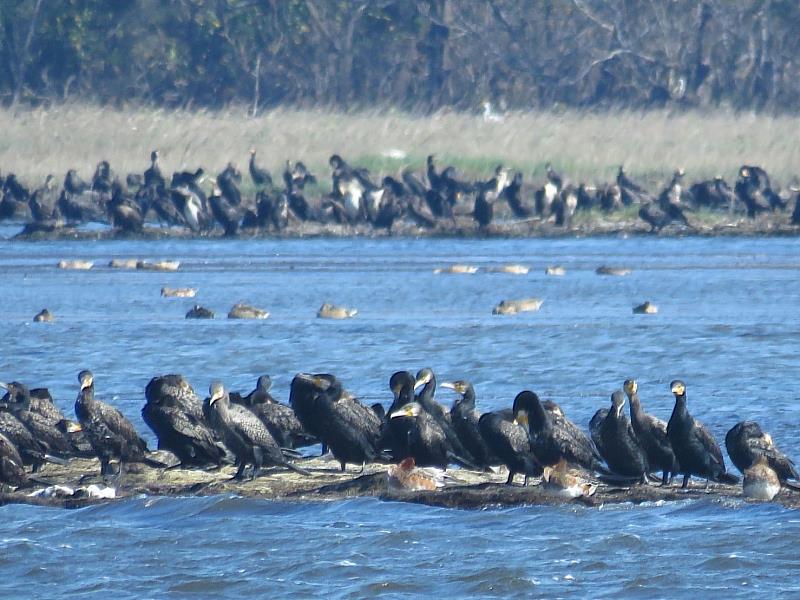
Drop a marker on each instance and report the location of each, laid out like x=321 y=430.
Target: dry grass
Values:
x=583 y=146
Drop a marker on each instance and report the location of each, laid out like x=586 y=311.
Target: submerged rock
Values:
x=331 y=311
x=44 y=316
x=200 y=312
x=512 y=307
x=245 y=311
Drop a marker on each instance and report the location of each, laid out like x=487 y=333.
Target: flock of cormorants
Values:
x=432 y=200
x=254 y=430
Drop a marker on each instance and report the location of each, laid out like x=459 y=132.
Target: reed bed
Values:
x=585 y=146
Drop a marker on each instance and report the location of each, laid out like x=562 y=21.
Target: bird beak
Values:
x=3 y=385
x=74 y=427
x=449 y=385
x=522 y=418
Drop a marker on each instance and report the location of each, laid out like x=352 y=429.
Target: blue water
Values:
x=727 y=325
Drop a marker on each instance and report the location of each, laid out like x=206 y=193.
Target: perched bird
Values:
x=244 y=434
x=562 y=482
x=280 y=419
x=175 y=414
x=464 y=419
x=554 y=437
x=509 y=441
x=408 y=477
x=622 y=450
x=746 y=443
x=260 y=177
x=760 y=481
x=652 y=435
x=12 y=469
x=349 y=429
x=694 y=446
x=111 y=435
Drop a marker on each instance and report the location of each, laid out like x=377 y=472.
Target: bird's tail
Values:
x=296 y=469
x=57 y=460
x=726 y=477
x=152 y=462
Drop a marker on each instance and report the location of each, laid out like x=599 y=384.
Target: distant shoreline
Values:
x=465 y=229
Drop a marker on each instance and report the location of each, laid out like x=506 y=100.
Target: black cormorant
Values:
x=464 y=418
x=621 y=449
x=553 y=436
x=152 y=175
x=175 y=414
x=349 y=429
x=52 y=439
x=280 y=419
x=12 y=470
x=694 y=446
x=746 y=442
x=652 y=435
x=427 y=443
x=261 y=177
x=244 y=434
x=111 y=435
x=509 y=442
x=594 y=429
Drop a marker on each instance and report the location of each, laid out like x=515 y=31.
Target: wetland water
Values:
x=728 y=325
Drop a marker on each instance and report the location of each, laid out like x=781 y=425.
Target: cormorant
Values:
x=102 y=178
x=111 y=435
x=509 y=442
x=553 y=436
x=513 y=195
x=715 y=194
x=261 y=177
x=52 y=440
x=464 y=418
x=349 y=429
x=73 y=184
x=244 y=434
x=227 y=182
x=427 y=381
x=622 y=451
x=484 y=209
x=652 y=435
x=754 y=190
x=124 y=212
x=746 y=443
x=225 y=212
x=427 y=443
x=694 y=446
x=12 y=470
x=175 y=414
x=594 y=429
x=565 y=205
x=280 y=419
x=630 y=191
x=152 y=175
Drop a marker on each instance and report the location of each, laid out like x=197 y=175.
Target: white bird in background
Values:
x=489 y=116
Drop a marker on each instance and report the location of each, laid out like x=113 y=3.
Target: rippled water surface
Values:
x=727 y=324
